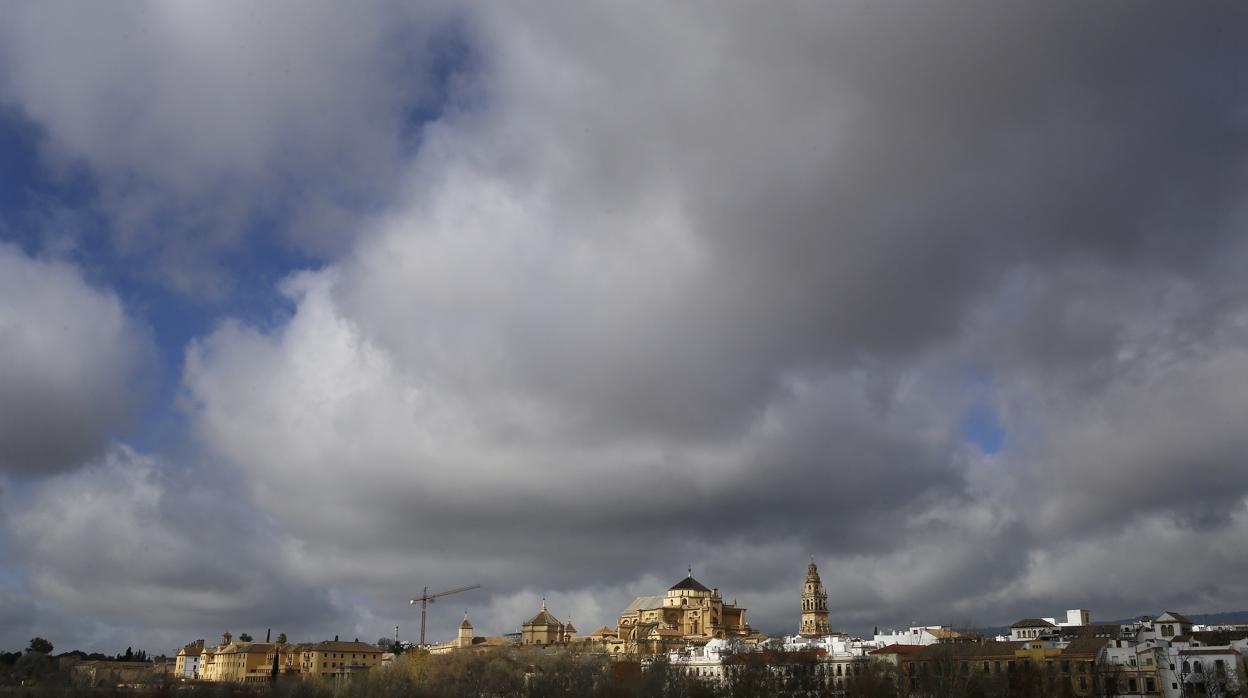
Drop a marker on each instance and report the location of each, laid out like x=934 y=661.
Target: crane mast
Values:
x=426 y=598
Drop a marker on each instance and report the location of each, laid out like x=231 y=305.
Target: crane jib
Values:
x=426 y=598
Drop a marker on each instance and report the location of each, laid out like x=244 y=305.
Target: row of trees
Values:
x=525 y=673
x=532 y=673
x=36 y=666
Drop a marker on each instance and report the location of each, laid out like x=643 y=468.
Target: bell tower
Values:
x=814 y=605
x=465 y=633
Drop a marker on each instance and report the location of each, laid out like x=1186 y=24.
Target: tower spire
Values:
x=814 y=621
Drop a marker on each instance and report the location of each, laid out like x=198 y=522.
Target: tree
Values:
x=40 y=645
x=281 y=638
x=874 y=679
x=244 y=637
x=34 y=668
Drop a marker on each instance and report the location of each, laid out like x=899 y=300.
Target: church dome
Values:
x=688 y=584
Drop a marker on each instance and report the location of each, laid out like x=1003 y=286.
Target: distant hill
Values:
x=1225 y=618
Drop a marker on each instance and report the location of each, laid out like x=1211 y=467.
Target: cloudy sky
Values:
x=306 y=306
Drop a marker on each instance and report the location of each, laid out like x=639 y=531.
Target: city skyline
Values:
x=305 y=307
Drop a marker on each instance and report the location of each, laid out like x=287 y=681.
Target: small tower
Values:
x=465 y=633
x=814 y=605
x=542 y=629
x=225 y=638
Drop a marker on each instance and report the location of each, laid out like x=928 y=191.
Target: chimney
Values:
x=267 y=632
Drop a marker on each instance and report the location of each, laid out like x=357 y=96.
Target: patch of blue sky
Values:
x=979 y=423
x=53 y=209
x=980 y=426
x=447 y=59
x=50 y=211
x=34 y=196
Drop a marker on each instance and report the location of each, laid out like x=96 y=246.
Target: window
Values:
x=1133 y=686
x=1065 y=666
x=1150 y=684
x=1083 y=683
x=1219 y=667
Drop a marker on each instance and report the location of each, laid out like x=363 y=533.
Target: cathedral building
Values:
x=545 y=629
x=814 y=605
x=688 y=613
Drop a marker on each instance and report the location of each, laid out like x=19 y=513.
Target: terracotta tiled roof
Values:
x=897 y=649
x=248 y=648
x=969 y=650
x=1032 y=623
x=336 y=646
x=543 y=617
x=1085 y=646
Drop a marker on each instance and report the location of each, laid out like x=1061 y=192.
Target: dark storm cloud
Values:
x=136 y=543
x=206 y=129
x=72 y=365
x=588 y=324
x=714 y=286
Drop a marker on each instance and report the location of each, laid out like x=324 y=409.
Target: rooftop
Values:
x=543 y=617
x=688 y=584
x=1032 y=623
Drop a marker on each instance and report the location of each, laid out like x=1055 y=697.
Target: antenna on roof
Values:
x=690 y=570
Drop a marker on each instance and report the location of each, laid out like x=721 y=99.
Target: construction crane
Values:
x=426 y=598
